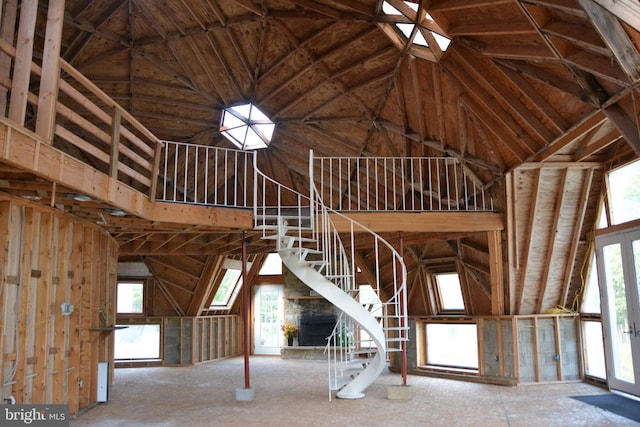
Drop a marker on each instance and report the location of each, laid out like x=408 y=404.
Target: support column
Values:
x=247 y=393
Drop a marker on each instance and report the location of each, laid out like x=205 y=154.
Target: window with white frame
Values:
x=452 y=345
x=137 y=342
x=591 y=322
x=230 y=285
x=623 y=195
x=449 y=293
x=130 y=297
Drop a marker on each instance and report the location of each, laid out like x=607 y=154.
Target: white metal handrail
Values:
x=201 y=174
x=399 y=184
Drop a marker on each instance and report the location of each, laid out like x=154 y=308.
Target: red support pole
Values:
x=403 y=344
x=245 y=313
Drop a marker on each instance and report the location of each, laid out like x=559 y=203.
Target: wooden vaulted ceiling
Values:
x=548 y=84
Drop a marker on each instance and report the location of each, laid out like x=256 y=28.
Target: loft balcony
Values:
x=84 y=143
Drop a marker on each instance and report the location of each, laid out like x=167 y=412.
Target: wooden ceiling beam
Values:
x=579 y=130
x=600 y=66
x=589 y=148
x=627 y=10
x=592 y=90
x=568 y=7
x=579 y=35
x=627 y=127
x=492 y=29
x=554 y=80
x=615 y=37
x=82 y=39
x=517 y=52
x=457 y=5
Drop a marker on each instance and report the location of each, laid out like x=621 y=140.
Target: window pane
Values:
x=129 y=299
x=624 y=191
x=591 y=299
x=593 y=349
x=453 y=345
x=228 y=285
x=450 y=291
x=272 y=265
x=137 y=342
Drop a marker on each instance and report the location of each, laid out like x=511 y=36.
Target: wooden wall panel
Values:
x=47 y=259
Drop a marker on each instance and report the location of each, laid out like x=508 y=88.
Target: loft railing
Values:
x=199 y=174
x=89 y=125
x=398 y=184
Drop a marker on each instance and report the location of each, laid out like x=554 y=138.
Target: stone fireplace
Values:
x=314 y=316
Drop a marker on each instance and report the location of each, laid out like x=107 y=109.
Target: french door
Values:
x=618 y=257
x=268 y=313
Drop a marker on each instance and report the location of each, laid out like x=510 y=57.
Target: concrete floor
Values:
x=294 y=393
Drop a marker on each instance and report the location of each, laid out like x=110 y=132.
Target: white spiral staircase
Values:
x=325 y=260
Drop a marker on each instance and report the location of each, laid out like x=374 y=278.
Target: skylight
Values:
x=411 y=27
x=247 y=127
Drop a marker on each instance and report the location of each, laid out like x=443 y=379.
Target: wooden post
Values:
x=43 y=306
x=115 y=143
x=9 y=14
x=46 y=120
x=156 y=170
x=24 y=55
x=496 y=269
x=558 y=344
x=536 y=348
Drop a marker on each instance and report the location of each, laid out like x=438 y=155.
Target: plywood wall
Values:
x=47 y=259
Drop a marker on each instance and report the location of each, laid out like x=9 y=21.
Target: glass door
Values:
x=268 y=314
x=618 y=257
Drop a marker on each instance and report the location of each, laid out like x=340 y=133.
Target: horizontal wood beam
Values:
x=445 y=222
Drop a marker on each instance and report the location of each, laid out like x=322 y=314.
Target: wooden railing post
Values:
x=156 y=170
x=115 y=143
x=22 y=68
x=7 y=28
x=46 y=120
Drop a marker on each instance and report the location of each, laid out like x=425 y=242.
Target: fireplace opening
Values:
x=315 y=328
